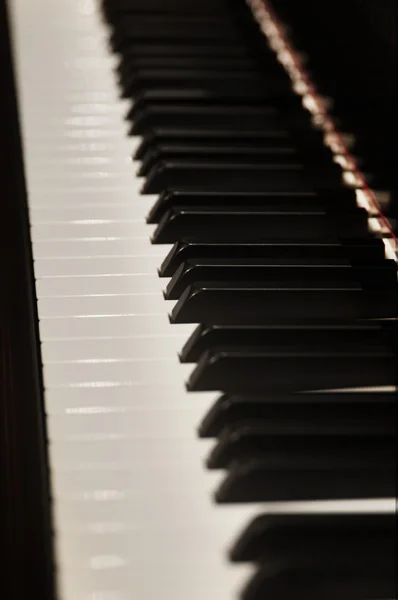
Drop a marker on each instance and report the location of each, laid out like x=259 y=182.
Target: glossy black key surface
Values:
x=327 y=582
x=244 y=225
x=115 y=8
x=282 y=479
x=335 y=336
x=370 y=249
x=223 y=117
x=214 y=33
x=365 y=407
x=275 y=262
x=245 y=177
x=310 y=540
x=230 y=303
x=382 y=275
x=248 y=441
x=205 y=98
x=191 y=62
x=333 y=203
x=225 y=155
x=191 y=49
x=317 y=552
x=273 y=137
x=265 y=369
x=214 y=83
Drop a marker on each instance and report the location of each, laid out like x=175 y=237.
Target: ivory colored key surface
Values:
x=133 y=512
x=115 y=526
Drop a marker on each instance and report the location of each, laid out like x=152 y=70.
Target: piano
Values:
x=198 y=336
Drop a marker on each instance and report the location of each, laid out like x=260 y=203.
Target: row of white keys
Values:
x=133 y=511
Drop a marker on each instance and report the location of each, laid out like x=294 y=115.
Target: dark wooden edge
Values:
x=25 y=516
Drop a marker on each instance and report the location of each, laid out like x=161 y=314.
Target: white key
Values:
x=142 y=370
x=118 y=326
x=83 y=401
x=86 y=265
x=86 y=306
x=103 y=349
x=90 y=228
x=137 y=283
x=90 y=248
x=112 y=211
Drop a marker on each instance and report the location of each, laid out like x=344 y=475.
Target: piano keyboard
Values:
x=215 y=317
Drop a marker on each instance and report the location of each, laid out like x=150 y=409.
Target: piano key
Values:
x=305 y=201
x=230 y=177
x=91 y=350
x=114 y=9
x=102 y=265
x=251 y=441
x=335 y=336
x=109 y=285
x=94 y=426
x=215 y=34
x=230 y=303
x=125 y=212
x=274 y=136
x=223 y=155
x=237 y=85
x=226 y=223
x=190 y=49
x=94 y=249
x=86 y=306
x=231 y=410
x=138 y=20
x=221 y=117
x=117 y=372
x=305 y=478
x=192 y=62
x=365 y=540
x=370 y=249
x=109 y=326
x=327 y=582
x=263 y=369
x=383 y=274
x=88 y=228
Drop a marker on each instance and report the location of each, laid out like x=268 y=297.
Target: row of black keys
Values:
x=190 y=52
x=267 y=273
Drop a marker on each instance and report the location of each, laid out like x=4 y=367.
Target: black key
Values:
x=327 y=582
x=231 y=303
x=214 y=83
x=289 y=439
x=264 y=369
x=382 y=275
x=205 y=176
x=177 y=34
x=223 y=117
x=203 y=98
x=232 y=63
x=231 y=411
x=310 y=540
x=231 y=224
x=121 y=7
x=218 y=137
x=131 y=23
x=328 y=337
x=370 y=249
x=228 y=154
x=192 y=49
x=341 y=202
x=306 y=478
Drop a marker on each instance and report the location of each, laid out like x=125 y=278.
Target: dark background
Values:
x=352 y=50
